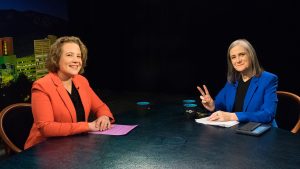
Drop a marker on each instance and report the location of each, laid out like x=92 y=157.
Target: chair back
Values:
x=15 y=123
x=288 y=111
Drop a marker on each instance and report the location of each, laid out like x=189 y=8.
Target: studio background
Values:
x=173 y=46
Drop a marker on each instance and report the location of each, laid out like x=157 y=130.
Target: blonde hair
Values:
x=52 y=60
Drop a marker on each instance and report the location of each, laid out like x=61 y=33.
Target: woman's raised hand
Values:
x=206 y=99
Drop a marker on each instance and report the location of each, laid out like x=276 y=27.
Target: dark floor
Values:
x=2 y=151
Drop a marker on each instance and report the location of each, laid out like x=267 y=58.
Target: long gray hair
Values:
x=232 y=74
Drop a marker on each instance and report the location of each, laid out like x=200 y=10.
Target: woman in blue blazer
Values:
x=250 y=92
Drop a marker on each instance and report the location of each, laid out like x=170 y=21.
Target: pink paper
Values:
x=116 y=130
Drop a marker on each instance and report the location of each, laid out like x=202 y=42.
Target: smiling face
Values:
x=70 y=61
x=240 y=59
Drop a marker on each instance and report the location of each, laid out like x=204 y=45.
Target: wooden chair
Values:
x=15 y=123
x=288 y=111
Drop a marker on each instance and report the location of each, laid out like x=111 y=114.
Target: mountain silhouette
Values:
x=26 y=26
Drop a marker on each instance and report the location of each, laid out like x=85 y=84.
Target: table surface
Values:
x=164 y=138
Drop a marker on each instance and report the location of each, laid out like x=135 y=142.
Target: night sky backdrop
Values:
x=58 y=8
x=172 y=46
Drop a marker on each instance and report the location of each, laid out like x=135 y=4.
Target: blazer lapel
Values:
x=64 y=96
x=251 y=90
x=231 y=97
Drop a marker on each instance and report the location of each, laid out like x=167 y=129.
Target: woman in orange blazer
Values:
x=62 y=99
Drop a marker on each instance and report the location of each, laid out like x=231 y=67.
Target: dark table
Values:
x=164 y=138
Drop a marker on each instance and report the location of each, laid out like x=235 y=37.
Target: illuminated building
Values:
x=41 y=49
x=6 y=46
x=27 y=66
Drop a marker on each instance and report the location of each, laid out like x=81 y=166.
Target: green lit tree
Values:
x=18 y=90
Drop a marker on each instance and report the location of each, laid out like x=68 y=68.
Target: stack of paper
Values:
x=216 y=123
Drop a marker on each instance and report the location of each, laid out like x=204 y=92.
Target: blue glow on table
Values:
x=143 y=103
x=190 y=105
x=189 y=101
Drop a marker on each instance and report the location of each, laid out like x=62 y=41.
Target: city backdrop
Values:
x=158 y=46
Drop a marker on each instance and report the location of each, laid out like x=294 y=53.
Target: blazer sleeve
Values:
x=97 y=105
x=222 y=98
x=43 y=113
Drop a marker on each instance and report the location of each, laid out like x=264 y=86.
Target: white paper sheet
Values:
x=217 y=123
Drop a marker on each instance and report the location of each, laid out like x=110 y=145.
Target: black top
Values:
x=240 y=95
x=74 y=95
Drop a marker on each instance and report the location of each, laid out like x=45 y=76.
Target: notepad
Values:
x=116 y=130
x=216 y=123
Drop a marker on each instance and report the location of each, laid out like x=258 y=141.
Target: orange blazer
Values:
x=53 y=111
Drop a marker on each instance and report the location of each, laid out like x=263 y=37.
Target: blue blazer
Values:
x=260 y=101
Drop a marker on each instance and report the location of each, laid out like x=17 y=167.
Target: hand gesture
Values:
x=206 y=99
